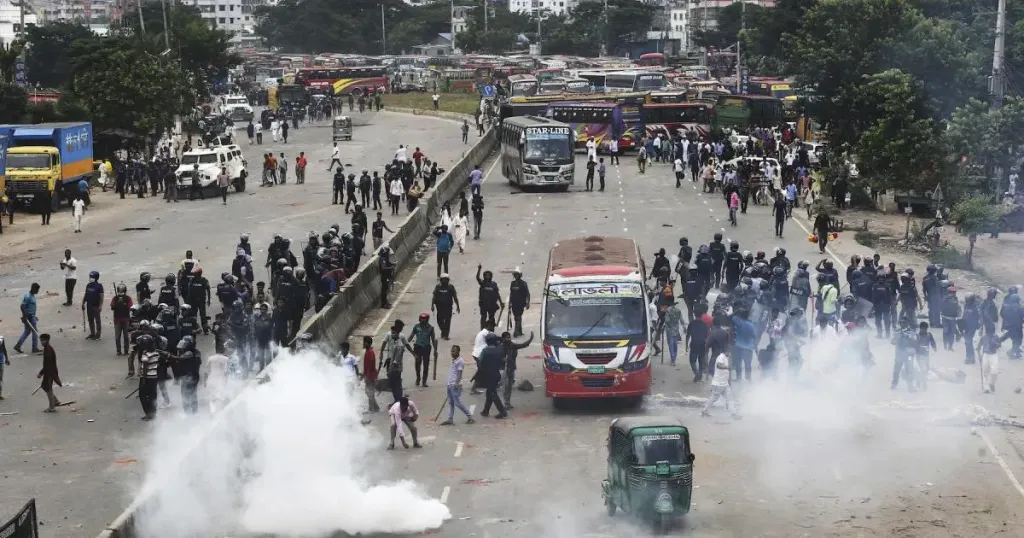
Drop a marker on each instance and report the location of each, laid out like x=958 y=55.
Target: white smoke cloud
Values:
x=288 y=458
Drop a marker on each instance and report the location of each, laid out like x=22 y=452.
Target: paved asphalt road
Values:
x=84 y=464
x=823 y=456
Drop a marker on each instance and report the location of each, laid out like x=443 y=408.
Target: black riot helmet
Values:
x=748 y=257
x=991 y=293
x=718 y=236
x=734 y=246
x=683 y=241
x=804 y=264
x=170 y=279
x=145 y=276
x=828 y=264
x=930 y=268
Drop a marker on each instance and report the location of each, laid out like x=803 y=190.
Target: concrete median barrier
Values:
x=331 y=326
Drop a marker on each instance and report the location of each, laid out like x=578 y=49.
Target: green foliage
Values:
x=8 y=56
x=977 y=214
x=503 y=29
x=949 y=257
x=315 y=26
x=13 y=102
x=48 y=54
x=133 y=90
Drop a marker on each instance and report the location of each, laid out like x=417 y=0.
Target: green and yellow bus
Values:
x=742 y=112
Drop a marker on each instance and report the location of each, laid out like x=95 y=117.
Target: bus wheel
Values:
x=558 y=403
x=563 y=188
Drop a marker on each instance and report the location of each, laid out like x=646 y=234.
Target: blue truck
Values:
x=45 y=162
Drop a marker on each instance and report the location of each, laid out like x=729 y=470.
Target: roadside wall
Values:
x=336 y=321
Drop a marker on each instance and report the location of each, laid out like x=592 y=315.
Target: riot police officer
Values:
x=717 y=250
x=519 y=299
x=299 y=301
x=142 y=289
x=168 y=293
x=800 y=289
x=188 y=363
x=198 y=295
x=685 y=255
x=989 y=311
x=441 y=302
x=386 y=269
x=489 y=297
x=149 y=374
x=733 y=265
x=705 y=269
x=930 y=287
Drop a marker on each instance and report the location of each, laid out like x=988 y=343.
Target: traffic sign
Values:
x=488 y=91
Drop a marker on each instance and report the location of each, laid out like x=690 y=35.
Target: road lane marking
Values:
x=458 y=449
x=1002 y=463
x=472 y=409
x=444 y=494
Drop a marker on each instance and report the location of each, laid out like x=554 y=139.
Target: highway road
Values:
x=84 y=464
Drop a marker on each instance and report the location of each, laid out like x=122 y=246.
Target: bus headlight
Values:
x=531 y=169
x=633 y=366
x=556 y=367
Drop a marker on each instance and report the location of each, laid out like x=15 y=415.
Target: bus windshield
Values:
x=677 y=114
x=527 y=88
x=542 y=148
x=650 y=81
x=595 y=310
x=665 y=448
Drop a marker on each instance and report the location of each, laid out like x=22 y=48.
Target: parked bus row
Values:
x=628 y=117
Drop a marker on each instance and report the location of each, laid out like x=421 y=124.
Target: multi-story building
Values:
x=704 y=13
x=530 y=7
x=84 y=11
x=10 y=20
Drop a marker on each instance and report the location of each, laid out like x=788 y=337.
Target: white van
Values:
x=210 y=159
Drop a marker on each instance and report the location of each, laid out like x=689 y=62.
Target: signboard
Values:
x=488 y=91
x=23 y=525
x=597 y=290
x=540 y=132
x=20 y=73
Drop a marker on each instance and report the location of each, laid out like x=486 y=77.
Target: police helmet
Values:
x=135 y=309
x=162 y=306
x=703 y=249
x=970 y=298
x=1011 y=290
x=385 y=250
x=683 y=241
x=780 y=251
x=238 y=303
x=230 y=279
x=277 y=238
x=444 y=276
x=281 y=262
x=144 y=323
x=186 y=308
x=821 y=278
x=748 y=257
x=943 y=284
x=849 y=300
x=145 y=342
x=828 y=264
x=144 y=276
x=880 y=271
x=170 y=279
x=930 y=268
x=747 y=281
x=312 y=235
x=287 y=269
x=156 y=326
x=718 y=236
x=335 y=242
x=224 y=276
x=346 y=237
x=778 y=271
x=240 y=252
x=326 y=238
x=300 y=273
x=94 y=275
x=285 y=242
x=121 y=289
x=186 y=342
x=518 y=271
x=991 y=293
x=905 y=279
x=734 y=246
x=804 y=264
x=910 y=272
x=244 y=237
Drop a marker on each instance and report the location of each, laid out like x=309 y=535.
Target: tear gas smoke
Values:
x=288 y=458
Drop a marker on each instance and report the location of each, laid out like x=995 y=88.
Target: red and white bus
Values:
x=673 y=118
x=359 y=80
x=595 y=322
x=651 y=59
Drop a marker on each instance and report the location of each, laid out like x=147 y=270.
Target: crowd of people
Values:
x=733 y=299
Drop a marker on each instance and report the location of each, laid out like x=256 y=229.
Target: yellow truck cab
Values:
x=45 y=162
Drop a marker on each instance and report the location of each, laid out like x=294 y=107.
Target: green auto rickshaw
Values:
x=650 y=469
x=342 y=128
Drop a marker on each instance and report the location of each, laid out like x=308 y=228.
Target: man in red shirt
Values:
x=417 y=157
x=370 y=374
x=300 y=168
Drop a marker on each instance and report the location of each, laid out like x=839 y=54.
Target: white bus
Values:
x=634 y=81
x=595 y=320
x=537 y=151
x=522 y=85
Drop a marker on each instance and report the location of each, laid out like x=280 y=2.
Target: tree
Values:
x=133 y=90
x=48 y=52
x=8 y=57
x=975 y=215
x=898 y=145
x=13 y=103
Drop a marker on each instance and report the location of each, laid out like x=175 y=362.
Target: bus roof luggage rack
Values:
x=612 y=251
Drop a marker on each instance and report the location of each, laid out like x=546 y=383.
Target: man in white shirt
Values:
x=720 y=388
x=335 y=157
x=679 y=170
x=70 y=267
x=592 y=149
x=259 y=132
x=437 y=101
x=400 y=154
x=479 y=343
x=347 y=360
x=77 y=211
x=613 y=149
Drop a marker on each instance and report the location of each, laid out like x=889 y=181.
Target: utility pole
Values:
x=167 y=29
x=452 y=17
x=739 y=56
x=142 y=23
x=486 y=9
x=997 y=83
x=604 y=42
x=384 y=33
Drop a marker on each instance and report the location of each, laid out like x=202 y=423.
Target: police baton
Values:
x=130 y=394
